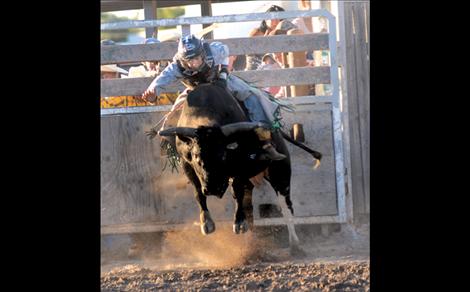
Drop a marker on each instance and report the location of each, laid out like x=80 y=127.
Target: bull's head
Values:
x=207 y=150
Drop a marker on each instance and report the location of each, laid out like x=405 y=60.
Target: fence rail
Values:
x=238 y=46
x=214 y=19
x=279 y=77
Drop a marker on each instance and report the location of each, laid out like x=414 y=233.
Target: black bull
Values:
x=216 y=143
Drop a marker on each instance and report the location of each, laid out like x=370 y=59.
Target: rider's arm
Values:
x=167 y=78
x=221 y=58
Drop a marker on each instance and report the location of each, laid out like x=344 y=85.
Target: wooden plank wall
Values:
x=356 y=45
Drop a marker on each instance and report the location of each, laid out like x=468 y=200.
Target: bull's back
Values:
x=210 y=105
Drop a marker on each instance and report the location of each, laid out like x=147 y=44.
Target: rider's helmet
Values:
x=190 y=47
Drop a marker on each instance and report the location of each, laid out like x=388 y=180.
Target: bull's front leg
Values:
x=205 y=220
x=207 y=224
x=240 y=224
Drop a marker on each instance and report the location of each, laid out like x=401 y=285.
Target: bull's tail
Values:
x=317 y=155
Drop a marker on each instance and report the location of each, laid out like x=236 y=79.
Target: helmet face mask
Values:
x=194 y=63
x=189 y=47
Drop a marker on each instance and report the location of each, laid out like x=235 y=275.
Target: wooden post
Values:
x=150 y=12
x=297 y=59
x=345 y=107
x=185 y=29
x=356 y=93
x=206 y=10
x=362 y=83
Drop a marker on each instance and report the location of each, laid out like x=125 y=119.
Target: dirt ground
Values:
x=336 y=259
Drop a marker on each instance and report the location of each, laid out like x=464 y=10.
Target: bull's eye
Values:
x=232 y=146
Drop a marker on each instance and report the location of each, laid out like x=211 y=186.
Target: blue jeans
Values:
x=255 y=110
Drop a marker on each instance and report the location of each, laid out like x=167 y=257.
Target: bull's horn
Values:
x=183 y=131
x=233 y=128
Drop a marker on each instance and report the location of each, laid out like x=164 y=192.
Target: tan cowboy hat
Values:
x=137 y=71
x=113 y=68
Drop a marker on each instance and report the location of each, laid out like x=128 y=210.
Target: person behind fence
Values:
x=267 y=27
x=253 y=61
x=268 y=62
x=199 y=62
x=112 y=71
x=149 y=68
x=270 y=25
x=152 y=68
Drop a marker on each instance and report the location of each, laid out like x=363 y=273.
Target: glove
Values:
x=149 y=96
x=220 y=82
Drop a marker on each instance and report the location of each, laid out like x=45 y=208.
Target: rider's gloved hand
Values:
x=149 y=95
x=220 y=82
x=221 y=79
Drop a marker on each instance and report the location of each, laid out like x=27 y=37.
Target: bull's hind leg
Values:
x=207 y=224
x=282 y=188
x=285 y=204
x=240 y=224
x=248 y=205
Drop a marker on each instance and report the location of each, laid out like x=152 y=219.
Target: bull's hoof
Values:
x=240 y=227
x=207 y=224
